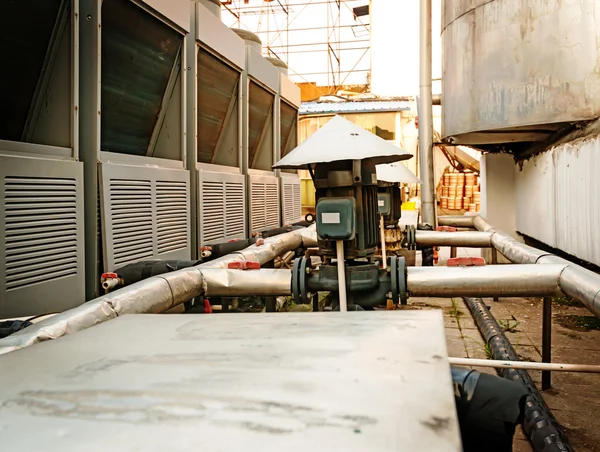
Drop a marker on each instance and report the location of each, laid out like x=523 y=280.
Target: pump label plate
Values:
x=330 y=218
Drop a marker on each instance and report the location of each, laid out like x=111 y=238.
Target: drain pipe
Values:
x=575 y=281
x=425 y=111
x=542 y=429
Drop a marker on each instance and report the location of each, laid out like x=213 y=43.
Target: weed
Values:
x=509 y=325
x=566 y=301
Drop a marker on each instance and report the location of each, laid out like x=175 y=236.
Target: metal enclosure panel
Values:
x=291 y=199
x=536 y=198
x=177 y=11
x=264 y=202
x=214 y=34
x=221 y=206
x=236 y=382
x=145 y=214
x=514 y=63
x=261 y=70
x=41 y=237
x=289 y=91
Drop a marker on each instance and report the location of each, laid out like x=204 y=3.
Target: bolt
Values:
x=388 y=295
x=308 y=271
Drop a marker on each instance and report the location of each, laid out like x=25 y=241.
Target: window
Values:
x=260 y=133
x=381 y=124
x=139 y=54
x=25 y=31
x=218 y=85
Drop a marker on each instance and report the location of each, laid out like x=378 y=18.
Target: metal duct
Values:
x=470 y=239
x=575 y=281
x=486 y=281
x=158 y=293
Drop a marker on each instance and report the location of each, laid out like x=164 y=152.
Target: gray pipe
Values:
x=470 y=239
x=161 y=293
x=462 y=221
x=426 y=116
x=485 y=281
x=575 y=281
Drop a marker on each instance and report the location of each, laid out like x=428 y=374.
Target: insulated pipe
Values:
x=471 y=239
x=341 y=271
x=153 y=295
x=426 y=115
x=485 y=281
x=525 y=365
x=462 y=221
x=266 y=282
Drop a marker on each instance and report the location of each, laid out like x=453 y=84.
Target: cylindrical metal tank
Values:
x=251 y=39
x=279 y=64
x=526 y=66
x=214 y=6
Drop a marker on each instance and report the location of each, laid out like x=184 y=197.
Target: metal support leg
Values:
x=271 y=304
x=452 y=252
x=547 y=342
x=494 y=262
x=315 y=302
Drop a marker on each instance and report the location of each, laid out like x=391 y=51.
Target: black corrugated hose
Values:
x=542 y=429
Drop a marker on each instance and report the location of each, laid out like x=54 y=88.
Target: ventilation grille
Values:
x=234 y=209
x=40 y=229
x=292 y=208
x=265 y=206
x=171 y=216
x=212 y=211
x=131 y=212
x=297 y=203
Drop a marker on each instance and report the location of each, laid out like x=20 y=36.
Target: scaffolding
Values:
x=338 y=30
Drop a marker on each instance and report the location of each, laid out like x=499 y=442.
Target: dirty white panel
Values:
x=245 y=382
x=536 y=213
x=577 y=167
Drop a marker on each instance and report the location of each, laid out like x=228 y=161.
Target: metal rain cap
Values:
x=396 y=172
x=338 y=140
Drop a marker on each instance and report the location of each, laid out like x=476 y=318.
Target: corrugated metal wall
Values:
x=558 y=198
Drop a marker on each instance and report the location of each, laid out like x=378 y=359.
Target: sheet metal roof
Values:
x=316 y=108
x=396 y=172
x=341 y=139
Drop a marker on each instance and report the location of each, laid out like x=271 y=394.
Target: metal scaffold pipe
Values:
x=485 y=281
x=525 y=365
x=468 y=239
x=426 y=115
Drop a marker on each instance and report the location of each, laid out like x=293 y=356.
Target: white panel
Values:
x=260 y=69
x=535 y=199
x=177 y=11
x=41 y=237
x=221 y=207
x=145 y=214
x=215 y=35
x=289 y=90
x=578 y=199
x=264 y=203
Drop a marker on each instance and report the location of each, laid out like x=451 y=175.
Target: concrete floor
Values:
x=574 y=397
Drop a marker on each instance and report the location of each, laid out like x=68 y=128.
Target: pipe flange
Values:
x=401 y=280
x=309 y=218
x=305 y=264
x=296 y=279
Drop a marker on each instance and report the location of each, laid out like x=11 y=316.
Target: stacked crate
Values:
x=460 y=191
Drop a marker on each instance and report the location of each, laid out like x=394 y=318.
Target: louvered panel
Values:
x=213 y=198
x=288 y=203
x=272 y=204
x=258 y=207
x=131 y=220
x=234 y=209
x=297 y=202
x=40 y=230
x=171 y=216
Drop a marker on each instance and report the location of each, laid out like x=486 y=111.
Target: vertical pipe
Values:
x=339 y=248
x=452 y=252
x=547 y=342
x=382 y=233
x=426 y=115
x=494 y=262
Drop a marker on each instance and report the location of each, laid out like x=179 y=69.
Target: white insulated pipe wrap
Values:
x=485 y=281
x=467 y=239
x=162 y=292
